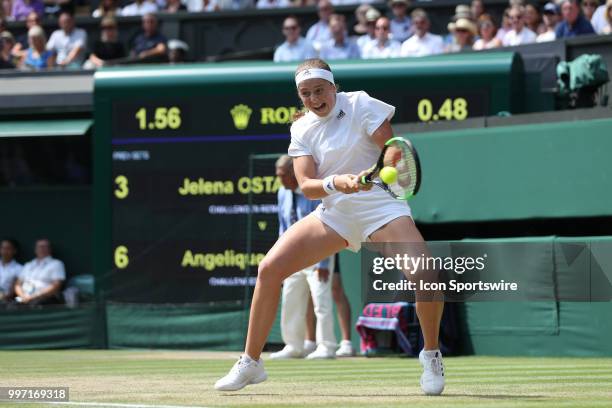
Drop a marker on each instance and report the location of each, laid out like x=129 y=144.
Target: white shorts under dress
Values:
x=357 y=217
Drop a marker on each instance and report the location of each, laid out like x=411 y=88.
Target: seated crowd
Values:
x=399 y=34
x=37 y=282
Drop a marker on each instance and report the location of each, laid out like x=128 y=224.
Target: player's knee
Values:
x=268 y=273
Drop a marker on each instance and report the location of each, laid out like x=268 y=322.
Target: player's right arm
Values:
x=312 y=187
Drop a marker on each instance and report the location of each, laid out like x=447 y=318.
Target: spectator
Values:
x=316 y=279
x=68 y=42
x=235 y=4
x=174 y=6
x=6 y=49
x=21 y=8
x=383 y=46
x=139 y=8
x=295 y=47
x=33 y=19
x=269 y=4
x=107 y=8
x=319 y=32
x=339 y=47
x=196 y=6
x=372 y=16
x=519 y=34
x=422 y=43
x=550 y=15
x=461 y=11
x=464 y=31
x=37 y=57
x=9 y=269
x=608 y=27
x=487 y=31
x=588 y=8
x=477 y=9
x=401 y=26
x=108 y=47
x=360 y=15
x=533 y=19
x=2 y=23
x=177 y=51
x=506 y=25
x=150 y=44
x=599 y=20
x=573 y=23
x=40 y=280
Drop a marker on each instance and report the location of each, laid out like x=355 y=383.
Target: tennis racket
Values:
x=399 y=154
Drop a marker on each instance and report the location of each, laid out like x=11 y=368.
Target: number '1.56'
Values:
x=159 y=118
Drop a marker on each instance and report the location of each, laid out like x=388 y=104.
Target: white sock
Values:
x=431 y=353
x=309 y=344
x=248 y=359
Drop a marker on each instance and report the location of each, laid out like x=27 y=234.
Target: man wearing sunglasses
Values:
x=295 y=47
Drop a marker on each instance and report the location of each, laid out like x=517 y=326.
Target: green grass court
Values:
x=181 y=378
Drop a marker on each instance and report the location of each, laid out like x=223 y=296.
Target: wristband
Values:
x=328 y=184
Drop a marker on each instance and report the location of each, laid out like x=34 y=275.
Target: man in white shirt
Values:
x=319 y=33
x=550 y=15
x=371 y=16
x=519 y=34
x=68 y=43
x=295 y=47
x=40 y=280
x=339 y=47
x=139 y=8
x=401 y=26
x=422 y=43
x=598 y=21
x=9 y=269
x=383 y=46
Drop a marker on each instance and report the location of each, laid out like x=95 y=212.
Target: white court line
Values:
x=110 y=404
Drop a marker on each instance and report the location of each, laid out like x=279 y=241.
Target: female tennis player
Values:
x=340 y=136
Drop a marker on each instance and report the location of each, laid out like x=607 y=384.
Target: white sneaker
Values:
x=322 y=352
x=432 y=380
x=309 y=347
x=246 y=371
x=287 y=352
x=346 y=349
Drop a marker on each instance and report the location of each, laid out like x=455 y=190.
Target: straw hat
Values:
x=463 y=24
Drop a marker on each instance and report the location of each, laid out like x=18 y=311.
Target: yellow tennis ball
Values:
x=388 y=175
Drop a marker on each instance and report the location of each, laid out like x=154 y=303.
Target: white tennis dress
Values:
x=340 y=143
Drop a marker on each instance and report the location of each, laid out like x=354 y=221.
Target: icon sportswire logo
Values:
x=241 y=114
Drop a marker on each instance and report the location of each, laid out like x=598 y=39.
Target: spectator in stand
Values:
x=340 y=46
x=477 y=9
x=33 y=19
x=174 y=6
x=235 y=4
x=139 y=8
x=487 y=30
x=68 y=43
x=319 y=32
x=6 y=49
x=550 y=15
x=2 y=23
x=177 y=51
x=21 y=8
x=372 y=16
x=360 y=16
x=599 y=20
x=108 y=48
x=519 y=34
x=533 y=19
x=464 y=31
x=608 y=27
x=461 y=11
x=196 y=6
x=40 y=280
x=150 y=45
x=401 y=26
x=383 y=46
x=37 y=56
x=574 y=23
x=269 y=4
x=422 y=43
x=588 y=8
x=9 y=269
x=107 y=8
x=506 y=25
x=295 y=47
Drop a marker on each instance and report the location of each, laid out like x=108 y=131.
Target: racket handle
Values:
x=365 y=180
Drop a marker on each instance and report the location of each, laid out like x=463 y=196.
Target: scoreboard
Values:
x=172 y=180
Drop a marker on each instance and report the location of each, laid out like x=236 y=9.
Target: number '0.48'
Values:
x=159 y=118
x=450 y=109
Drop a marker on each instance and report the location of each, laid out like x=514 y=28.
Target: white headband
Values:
x=311 y=73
